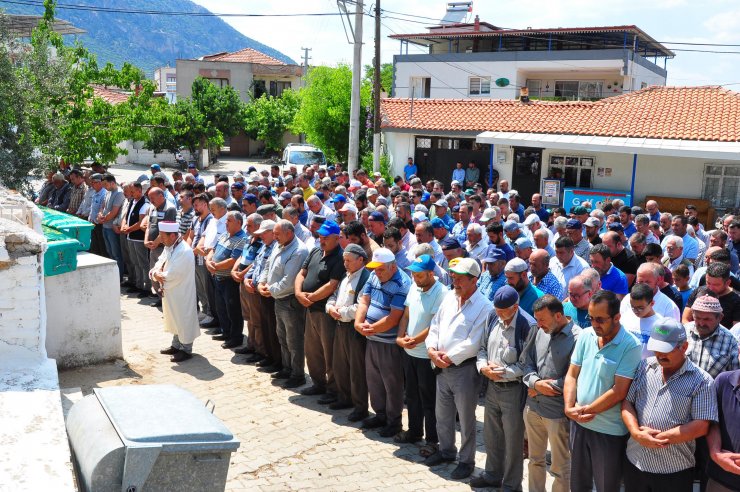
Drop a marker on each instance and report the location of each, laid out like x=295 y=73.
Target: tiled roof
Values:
x=707 y=113
x=113 y=96
x=247 y=55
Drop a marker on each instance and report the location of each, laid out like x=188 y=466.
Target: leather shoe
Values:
x=389 y=430
x=246 y=350
x=313 y=390
x=406 y=437
x=480 y=482
x=181 y=356
x=339 y=405
x=327 y=399
x=231 y=344
x=281 y=374
x=266 y=362
x=252 y=359
x=212 y=324
x=219 y=338
x=214 y=331
x=373 y=422
x=462 y=470
x=294 y=382
x=169 y=351
x=357 y=415
x=437 y=459
x=158 y=303
x=269 y=369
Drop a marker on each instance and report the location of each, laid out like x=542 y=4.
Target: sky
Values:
x=708 y=21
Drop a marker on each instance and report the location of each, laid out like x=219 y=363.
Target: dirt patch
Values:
x=98 y=376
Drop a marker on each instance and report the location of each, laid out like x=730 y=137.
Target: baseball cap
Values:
x=355 y=249
x=488 y=215
x=437 y=223
x=494 y=253
x=516 y=265
x=455 y=209
x=616 y=227
x=331 y=168
x=266 y=225
x=339 y=198
x=511 y=226
x=266 y=209
x=381 y=256
x=469 y=191
x=238 y=185
x=423 y=263
x=466 y=266
x=592 y=222
x=155 y=167
x=579 y=210
x=249 y=197
x=455 y=182
x=574 y=224
x=328 y=228
x=667 y=335
x=376 y=217
x=440 y=203
x=371 y=192
x=191 y=165
x=286 y=195
x=522 y=243
x=418 y=217
x=531 y=219
x=96 y=177
x=505 y=297
x=421 y=208
x=425 y=196
x=449 y=243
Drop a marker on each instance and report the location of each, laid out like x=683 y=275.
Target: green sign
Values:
x=502 y=82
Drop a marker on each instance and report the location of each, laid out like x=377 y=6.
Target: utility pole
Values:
x=354 y=112
x=376 y=91
x=305 y=61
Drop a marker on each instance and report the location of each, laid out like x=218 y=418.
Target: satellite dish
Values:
x=502 y=82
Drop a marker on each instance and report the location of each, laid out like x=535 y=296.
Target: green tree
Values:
x=325 y=108
x=268 y=118
x=386 y=76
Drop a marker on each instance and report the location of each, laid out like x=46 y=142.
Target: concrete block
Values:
x=28 y=260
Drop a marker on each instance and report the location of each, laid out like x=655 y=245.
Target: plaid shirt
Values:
x=549 y=284
x=716 y=353
x=488 y=285
x=75 y=198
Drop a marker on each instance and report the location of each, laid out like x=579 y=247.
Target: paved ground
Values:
x=288 y=441
x=129 y=172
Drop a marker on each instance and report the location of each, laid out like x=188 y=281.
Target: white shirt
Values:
x=641 y=328
x=567 y=272
x=479 y=250
x=458 y=331
x=213 y=231
x=664 y=306
x=344 y=297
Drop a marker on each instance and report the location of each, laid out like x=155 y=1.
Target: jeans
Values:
x=229 y=309
x=421 y=394
x=113 y=245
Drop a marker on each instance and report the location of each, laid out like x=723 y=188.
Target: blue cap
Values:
x=238 y=185
x=510 y=226
x=155 y=167
x=250 y=198
x=616 y=227
x=331 y=168
x=252 y=169
x=494 y=253
x=574 y=224
x=424 y=263
x=505 y=297
x=523 y=243
x=286 y=195
x=376 y=217
x=449 y=243
x=339 y=198
x=191 y=165
x=320 y=195
x=438 y=224
x=328 y=228
x=425 y=196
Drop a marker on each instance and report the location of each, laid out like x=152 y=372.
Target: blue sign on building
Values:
x=573 y=197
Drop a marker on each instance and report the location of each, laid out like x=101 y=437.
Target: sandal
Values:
x=406 y=437
x=428 y=449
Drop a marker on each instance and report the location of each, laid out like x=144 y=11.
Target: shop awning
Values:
x=623 y=145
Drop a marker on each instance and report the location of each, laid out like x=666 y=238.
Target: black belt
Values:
x=467 y=362
x=505 y=383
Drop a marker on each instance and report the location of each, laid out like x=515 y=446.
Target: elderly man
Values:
x=422 y=304
x=159 y=210
x=580 y=290
x=175 y=272
x=249 y=299
x=452 y=345
x=219 y=262
x=546 y=360
x=97 y=242
x=690 y=245
x=541 y=276
x=601 y=370
x=711 y=346
x=380 y=309
x=516 y=272
x=501 y=347
x=293 y=215
x=77 y=192
x=278 y=281
x=424 y=233
x=612 y=279
x=523 y=248
x=131 y=228
x=493 y=278
x=566 y=263
x=648 y=274
x=60 y=195
x=349 y=345
x=662 y=426
x=542 y=241
x=674 y=254
x=319 y=278
x=317 y=207
x=581 y=246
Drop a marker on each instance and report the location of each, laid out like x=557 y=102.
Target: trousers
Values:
x=291 y=319
x=113 y=245
x=636 y=480
x=269 y=329
x=503 y=433
x=229 y=309
x=349 y=366
x=595 y=459
x=318 y=344
x=421 y=396
x=205 y=290
x=141 y=261
x=385 y=380
x=128 y=260
x=539 y=431
x=457 y=393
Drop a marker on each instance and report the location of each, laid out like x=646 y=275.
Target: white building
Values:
x=166 y=80
x=681 y=142
x=480 y=60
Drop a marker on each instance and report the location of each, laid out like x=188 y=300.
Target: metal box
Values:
x=61 y=252
x=69 y=225
x=148 y=438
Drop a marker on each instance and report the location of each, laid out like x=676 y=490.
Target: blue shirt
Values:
x=528 y=296
x=728 y=403
x=408 y=170
x=615 y=281
x=96 y=204
x=629 y=230
x=459 y=176
x=229 y=247
x=508 y=250
x=542 y=214
x=448 y=221
x=459 y=232
x=619 y=357
x=579 y=316
x=489 y=285
x=383 y=298
x=422 y=308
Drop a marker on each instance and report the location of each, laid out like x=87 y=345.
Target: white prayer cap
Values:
x=168 y=227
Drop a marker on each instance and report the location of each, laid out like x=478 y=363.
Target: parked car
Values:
x=303 y=154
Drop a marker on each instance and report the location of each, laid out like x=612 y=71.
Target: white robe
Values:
x=178 y=303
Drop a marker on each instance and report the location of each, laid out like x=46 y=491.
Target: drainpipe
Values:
x=634 y=173
x=490 y=167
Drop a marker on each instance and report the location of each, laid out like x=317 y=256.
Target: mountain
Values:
x=145 y=40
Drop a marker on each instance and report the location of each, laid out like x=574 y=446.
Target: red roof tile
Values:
x=247 y=55
x=686 y=113
x=113 y=96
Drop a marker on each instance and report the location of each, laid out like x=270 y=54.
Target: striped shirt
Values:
x=385 y=297
x=686 y=396
x=716 y=353
x=260 y=262
x=186 y=220
x=228 y=247
x=549 y=284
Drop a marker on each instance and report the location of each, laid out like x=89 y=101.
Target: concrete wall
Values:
x=137 y=154
x=84 y=313
x=238 y=74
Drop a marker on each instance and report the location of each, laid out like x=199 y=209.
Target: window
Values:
x=566 y=88
x=421 y=87
x=722 y=185
x=423 y=143
x=277 y=87
x=535 y=88
x=448 y=143
x=171 y=79
x=579 y=89
x=575 y=171
x=479 y=86
x=219 y=82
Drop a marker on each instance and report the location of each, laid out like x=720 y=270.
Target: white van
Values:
x=302 y=154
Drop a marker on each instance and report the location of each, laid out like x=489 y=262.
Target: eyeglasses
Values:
x=575 y=295
x=599 y=320
x=638 y=309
